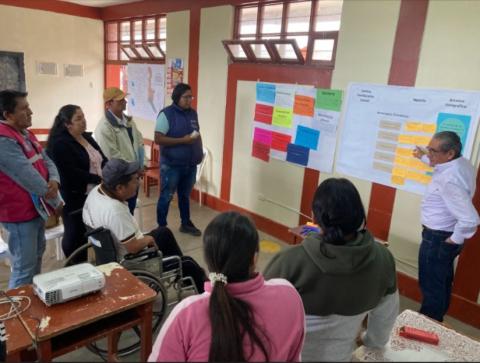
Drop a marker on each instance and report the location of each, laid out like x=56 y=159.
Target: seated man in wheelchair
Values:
x=106 y=207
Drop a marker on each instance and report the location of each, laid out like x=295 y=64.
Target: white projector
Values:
x=68 y=283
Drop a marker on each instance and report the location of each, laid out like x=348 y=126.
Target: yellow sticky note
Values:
x=425 y=179
x=422 y=140
x=414 y=176
x=413 y=126
x=398 y=180
x=400 y=160
x=401 y=151
x=399 y=172
x=431 y=128
x=406 y=139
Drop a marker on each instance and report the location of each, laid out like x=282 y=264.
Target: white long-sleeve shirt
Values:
x=447 y=203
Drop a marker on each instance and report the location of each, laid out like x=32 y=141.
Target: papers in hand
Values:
x=194 y=134
x=46 y=207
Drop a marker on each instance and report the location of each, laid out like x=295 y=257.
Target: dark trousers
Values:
x=74 y=234
x=167 y=243
x=180 y=179
x=435 y=272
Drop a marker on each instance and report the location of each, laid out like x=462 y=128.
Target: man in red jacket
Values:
x=29 y=181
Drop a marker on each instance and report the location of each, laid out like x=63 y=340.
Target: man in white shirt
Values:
x=448 y=218
x=106 y=207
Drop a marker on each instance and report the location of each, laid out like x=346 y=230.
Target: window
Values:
x=139 y=39
x=289 y=31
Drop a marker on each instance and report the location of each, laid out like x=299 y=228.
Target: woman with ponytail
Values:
x=240 y=317
x=79 y=161
x=342 y=275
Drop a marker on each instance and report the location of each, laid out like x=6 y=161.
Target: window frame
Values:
x=132 y=43
x=283 y=35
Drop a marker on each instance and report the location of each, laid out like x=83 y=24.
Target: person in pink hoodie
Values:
x=240 y=316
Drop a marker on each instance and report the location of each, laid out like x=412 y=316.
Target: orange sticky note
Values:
x=430 y=128
x=303 y=105
x=406 y=139
x=398 y=180
x=400 y=160
x=413 y=126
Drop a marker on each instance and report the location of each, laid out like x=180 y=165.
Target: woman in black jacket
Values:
x=79 y=160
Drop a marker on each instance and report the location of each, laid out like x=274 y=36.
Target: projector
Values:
x=68 y=283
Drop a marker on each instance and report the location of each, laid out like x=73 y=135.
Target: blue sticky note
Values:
x=456 y=123
x=307 y=137
x=266 y=92
x=297 y=154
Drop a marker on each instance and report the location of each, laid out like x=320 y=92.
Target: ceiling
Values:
x=100 y=3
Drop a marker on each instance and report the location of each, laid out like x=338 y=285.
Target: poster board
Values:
x=383 y=124
x=146 y=88
x=296 y=124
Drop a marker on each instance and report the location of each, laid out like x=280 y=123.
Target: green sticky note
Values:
x=282 y=116
x=329 y=99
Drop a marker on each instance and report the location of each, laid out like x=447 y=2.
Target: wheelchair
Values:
x=148 y=266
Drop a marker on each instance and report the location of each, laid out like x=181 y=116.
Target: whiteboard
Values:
x=146 y=89
x=382 y=124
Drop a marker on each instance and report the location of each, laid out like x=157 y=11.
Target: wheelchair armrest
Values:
x=94 y=231
x=146 y=253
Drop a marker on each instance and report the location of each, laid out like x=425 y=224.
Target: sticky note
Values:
x=414 y=176
x=390 y=125
x=387 y=135
x=398 y=180
x=329 y=99
x=280 y=141
x=266 y=92
x=282 y=117
x=263 y=113
x=413 y=126
x=422 y=140
x=261 y=151
x=262 y=136
x=387 y=168
x=430 y=128
x=425 y=179
x=406 y=139
x=399 y=172
x=297 y=154
x=401 y=160
x=307 y=137
x=401 y=151
x=304 y=105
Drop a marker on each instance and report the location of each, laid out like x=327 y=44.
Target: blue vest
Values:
x=181 y=122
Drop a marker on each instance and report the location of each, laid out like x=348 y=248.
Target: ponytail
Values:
x=232 y=321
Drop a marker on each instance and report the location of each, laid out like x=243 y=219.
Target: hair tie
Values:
x=217 y=277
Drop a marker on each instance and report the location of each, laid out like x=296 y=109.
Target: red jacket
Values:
x=16 y=203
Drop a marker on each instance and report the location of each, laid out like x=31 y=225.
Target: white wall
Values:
x=63 y=39
x=216 y=25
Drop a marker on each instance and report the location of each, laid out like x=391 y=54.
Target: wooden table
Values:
x=123 y=303
x=298 y=236
x=452 y=346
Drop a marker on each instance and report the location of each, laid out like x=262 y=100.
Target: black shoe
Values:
x=190 y=229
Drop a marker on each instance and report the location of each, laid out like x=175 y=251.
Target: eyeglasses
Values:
x=189 y=97
x=434 y=151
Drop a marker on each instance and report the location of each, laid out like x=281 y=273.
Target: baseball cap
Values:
x=113 y=93
x=115 y=169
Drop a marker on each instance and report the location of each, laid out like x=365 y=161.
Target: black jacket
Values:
x=73 y=164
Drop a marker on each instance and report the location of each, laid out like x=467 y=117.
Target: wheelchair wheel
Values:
x=159 y=310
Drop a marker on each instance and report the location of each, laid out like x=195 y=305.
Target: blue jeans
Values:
x=26 y=242
x=435 y=272
x=180 y=179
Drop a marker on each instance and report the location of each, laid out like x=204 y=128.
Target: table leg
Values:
x=112 y=341
x=146 y=313
x=44 y=351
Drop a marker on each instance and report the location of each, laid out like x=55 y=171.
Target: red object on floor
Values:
x=418 y=334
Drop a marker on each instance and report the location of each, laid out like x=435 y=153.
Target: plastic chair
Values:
x=200 y=168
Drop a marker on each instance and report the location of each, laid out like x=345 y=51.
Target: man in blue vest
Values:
x=178 y=133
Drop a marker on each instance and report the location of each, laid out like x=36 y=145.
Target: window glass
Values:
x=323 y=49
x=248 y=20
x=298 y=17
x=272 y=19
x=125 y=31
x=328 y=15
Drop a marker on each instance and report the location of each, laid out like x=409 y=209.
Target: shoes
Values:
x=190 y=229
